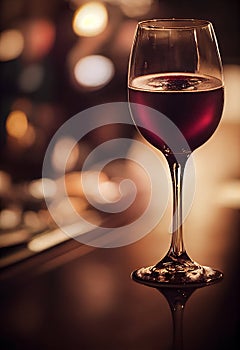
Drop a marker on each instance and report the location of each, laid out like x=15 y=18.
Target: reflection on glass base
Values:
x=176 y=272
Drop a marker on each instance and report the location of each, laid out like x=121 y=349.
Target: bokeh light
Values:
x=232 y=87
x=11 y=44
x=99 y=188
x=109 y=192
x=42 y=188
x=39 y=37
x=124 y=38
x=33 y=220
x=29 y=137
x=229 y=194
x=90 y=19
x=65 y=154
x=5 y=182
x=17 y=124
x=31 y=78
x=47 y=240
x=23 y=104
x=10 y=217
x=94 y=71
x=135 y=8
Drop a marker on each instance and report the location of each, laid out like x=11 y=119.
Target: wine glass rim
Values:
x=173 y=23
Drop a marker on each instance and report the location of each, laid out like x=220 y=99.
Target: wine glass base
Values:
x=174 y=273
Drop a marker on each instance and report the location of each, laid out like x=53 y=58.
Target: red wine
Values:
x=194 y=103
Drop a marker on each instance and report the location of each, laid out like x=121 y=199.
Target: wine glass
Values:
x=175 y=69
x=177 y=299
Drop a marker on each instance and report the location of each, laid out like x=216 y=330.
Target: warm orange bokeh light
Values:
x=11 y=44
x=17 y=124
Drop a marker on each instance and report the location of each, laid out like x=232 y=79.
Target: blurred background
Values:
x=58 y=58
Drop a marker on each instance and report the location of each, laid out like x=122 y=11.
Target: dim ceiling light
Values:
x=11 y=44
x=94 y=71
x=90 y=19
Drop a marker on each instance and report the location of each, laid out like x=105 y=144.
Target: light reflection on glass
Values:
x=90 y=19
x=11 y=44
x=94 y=71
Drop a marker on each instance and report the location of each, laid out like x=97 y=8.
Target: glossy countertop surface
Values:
x=79 y=297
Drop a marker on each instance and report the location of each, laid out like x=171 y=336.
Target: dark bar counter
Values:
x=74 y=296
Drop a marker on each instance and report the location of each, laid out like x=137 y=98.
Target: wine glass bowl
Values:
x=175 y=70
x=171 y=60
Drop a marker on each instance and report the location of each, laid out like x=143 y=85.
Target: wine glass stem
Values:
x=177 y=317
x=177 y=169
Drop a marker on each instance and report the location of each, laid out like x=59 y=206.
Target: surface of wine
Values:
x=194 y=103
